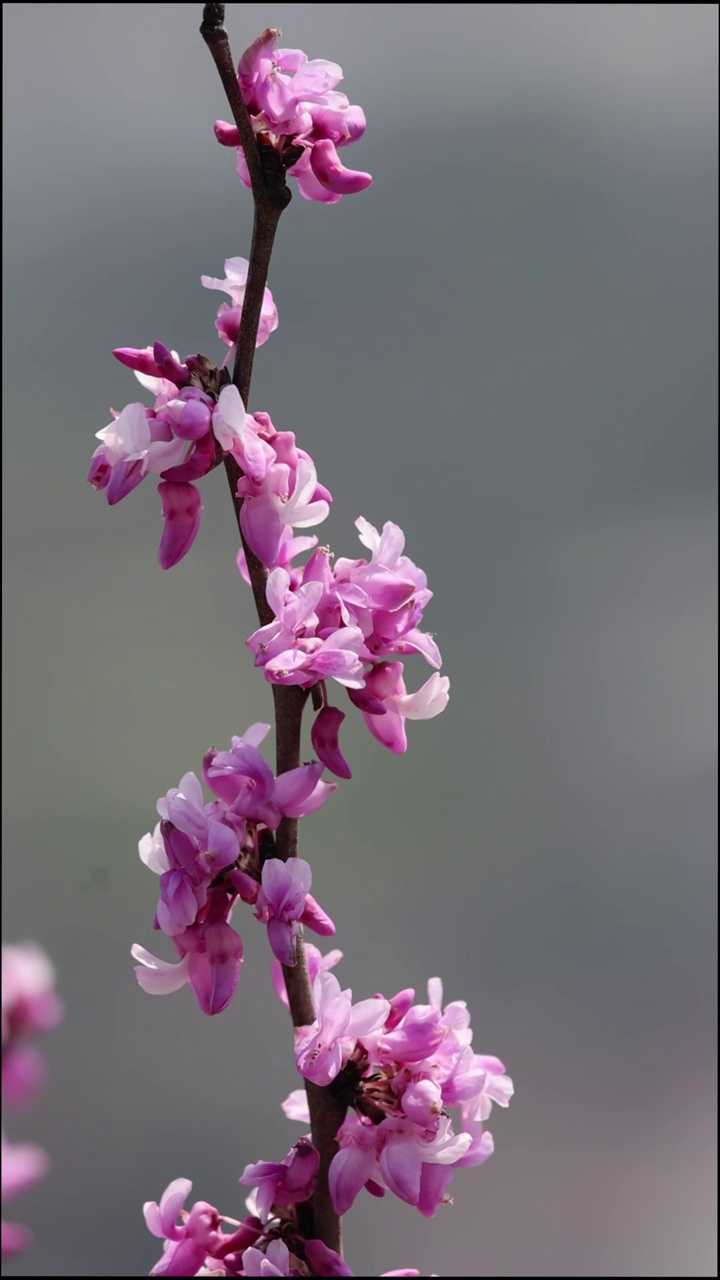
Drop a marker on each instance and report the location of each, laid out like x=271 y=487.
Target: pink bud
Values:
x=141 y=360
x=324 y=738
x=331 y=172
x=182 y=513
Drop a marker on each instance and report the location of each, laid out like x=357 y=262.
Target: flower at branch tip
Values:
x=299 y=115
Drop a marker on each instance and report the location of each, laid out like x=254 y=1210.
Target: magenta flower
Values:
x=287 y=495
x=228 y=318
x=412 y=1064
x=282 y=905
x=349 y=622
x=245 y=782
x=325 y=739
x=182 y=513
x=296 y=109
x=273 y=1261
x=197 y=1244
x=173 y=439
x=322 y=1048
x=315 y=962
x=210 y=855
x=289 y=1182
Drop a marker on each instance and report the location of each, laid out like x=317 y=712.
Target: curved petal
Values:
x=159 y=977
x=349 y=1171
x=182 y=512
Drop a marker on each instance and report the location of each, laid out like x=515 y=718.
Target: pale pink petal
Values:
x=159 y=977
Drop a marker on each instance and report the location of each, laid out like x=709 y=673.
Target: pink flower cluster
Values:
x=199 y=1244
x=351 y=621
x=176 y=438
x=406 y=1064
x=29 y=1006
x=209 y=855
x=298 y=114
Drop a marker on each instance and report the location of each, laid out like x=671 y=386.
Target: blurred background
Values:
x=507 y=346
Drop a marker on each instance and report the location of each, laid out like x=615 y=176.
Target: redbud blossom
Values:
x=411 y=1065
x=210 y=855
x=297 y=111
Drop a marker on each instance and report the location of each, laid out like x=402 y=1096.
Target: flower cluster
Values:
x=299 y=116
x=205 y=1242
x=405 y=1065
x=352 y=621
x=176 y=438
x=29 y=1006
x=209 y=855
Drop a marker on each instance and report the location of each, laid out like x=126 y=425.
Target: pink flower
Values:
x=411 y=1064
x=246 y=784
x=285 y=1183
x=281 y=904
x=288 y=496
x=210 y=855
x=228 y=319
x=296 y=109
x=322 y=1048
x=391 y=704
x=182 y=513
x=197 y=1244
x=273 y=1261
x=174 y=439
x=315 y=962
x=349 y=622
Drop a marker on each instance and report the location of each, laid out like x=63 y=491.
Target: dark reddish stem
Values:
x=271 y=196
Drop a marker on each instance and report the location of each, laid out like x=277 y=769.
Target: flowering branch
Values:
x=271 y=195
x=381 y=1076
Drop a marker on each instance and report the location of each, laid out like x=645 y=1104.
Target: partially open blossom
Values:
x=296 y=110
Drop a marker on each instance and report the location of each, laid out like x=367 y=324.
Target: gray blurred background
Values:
x=506 y=346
